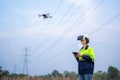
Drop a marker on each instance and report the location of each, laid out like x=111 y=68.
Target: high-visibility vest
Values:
x=87 y=51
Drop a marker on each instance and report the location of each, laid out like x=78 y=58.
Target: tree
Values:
x=119 y=76
x=13 y=75
x=113 y=73
x=100 y=75
x=5 y=74
x=0 y=72
x=72 y=75
x=66 y=73
x=22 y=75
x=55 y=73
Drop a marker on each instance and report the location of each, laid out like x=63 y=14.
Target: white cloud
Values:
x=78 y=2
x=25 y=11
x=31 y=14
x=32 y=18
x=87 y=5
x=28 y=32
x=83 y=3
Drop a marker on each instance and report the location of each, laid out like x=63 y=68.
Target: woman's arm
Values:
x=86 y=57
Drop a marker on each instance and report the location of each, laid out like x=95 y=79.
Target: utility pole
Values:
x=14 y=69
x=25 y=65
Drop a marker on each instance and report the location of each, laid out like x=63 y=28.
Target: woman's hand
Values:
x=78 y=55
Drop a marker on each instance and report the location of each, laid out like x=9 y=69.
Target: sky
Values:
x=49 y=41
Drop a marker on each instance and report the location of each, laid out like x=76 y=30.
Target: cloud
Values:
x=78 y=2
x=31 y=32
x=87 y=6
x=25 y=11
x=83 y=3
x=31 y=14
x=28 y=32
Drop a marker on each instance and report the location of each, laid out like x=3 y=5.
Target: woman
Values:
x=85 y=60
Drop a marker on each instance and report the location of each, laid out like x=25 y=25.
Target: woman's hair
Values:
x=87 y=40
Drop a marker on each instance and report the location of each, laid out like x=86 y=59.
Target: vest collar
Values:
x=86 y=47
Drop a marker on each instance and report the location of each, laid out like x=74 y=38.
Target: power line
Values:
x=56 y=26
x=80 y=21
x=103 y=25
x=114 y=17
x=55 y=31
x=58 y=40
x=68 y=18
x=59 y=5
x=38 y=36
x=64 y=16
x=76 y=20
x=78 y=24
x=47 y=39
x=62 y=52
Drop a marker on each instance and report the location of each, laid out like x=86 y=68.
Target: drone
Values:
x=45 y=16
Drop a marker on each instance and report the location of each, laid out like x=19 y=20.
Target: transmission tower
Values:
x=14 y=70
x=25 y=65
